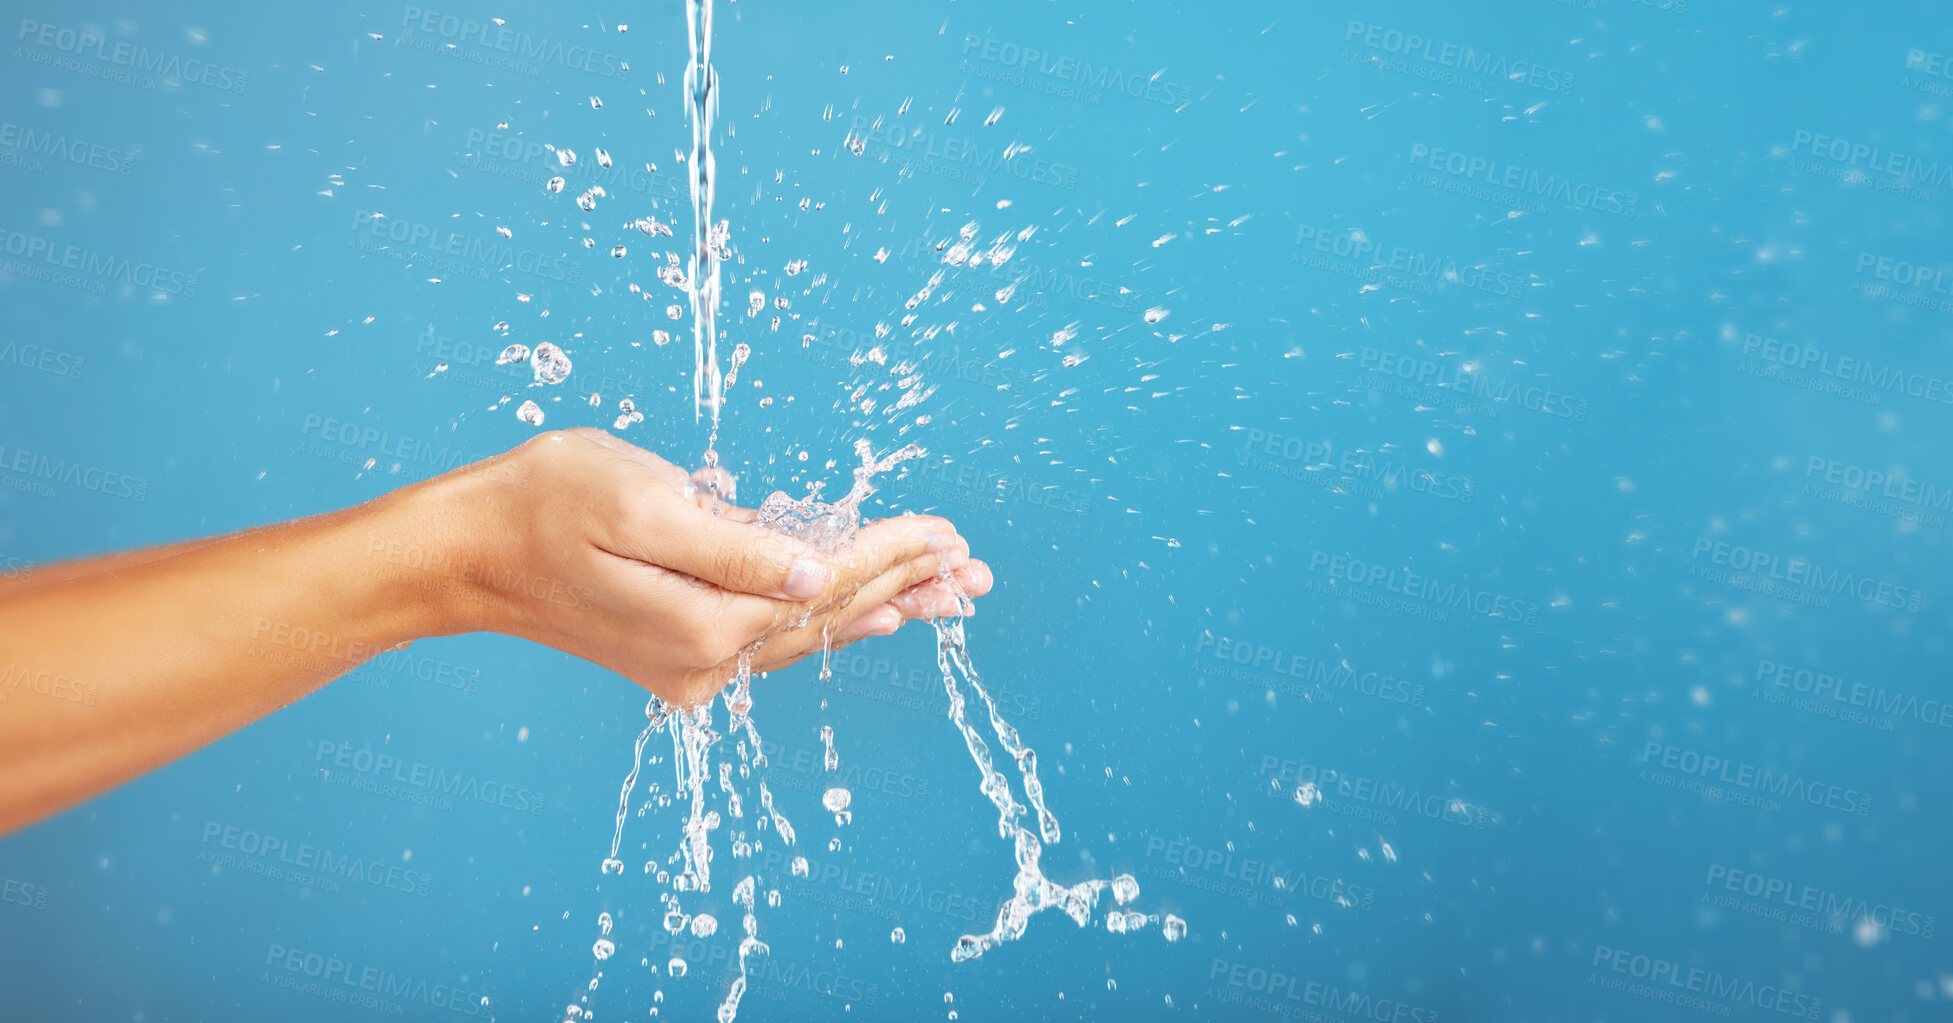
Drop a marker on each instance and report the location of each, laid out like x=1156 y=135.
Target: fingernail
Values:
x=940 y=542
x=807 y=578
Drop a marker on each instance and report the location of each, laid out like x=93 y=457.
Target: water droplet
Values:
x=617 y=251
x=513 y=353
x=530 y=413
x=1174 y=928
x=676 y=967
x=800 y=866
x=704 y=925
x=552 y=366
x=603 y=155
x=836 y=799
x=1156 y=314
x=1307 y=794
x=613 y=866
x=1125 y=888
x=556 y=184
x=603 y=948
x=566 y=157
x=897 y=936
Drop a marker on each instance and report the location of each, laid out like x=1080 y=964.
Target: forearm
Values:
x=106 y=675
x=36 y=576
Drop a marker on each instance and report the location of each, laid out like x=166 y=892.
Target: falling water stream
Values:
x=826 y=527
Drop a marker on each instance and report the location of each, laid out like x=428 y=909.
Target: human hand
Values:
x=588 y=544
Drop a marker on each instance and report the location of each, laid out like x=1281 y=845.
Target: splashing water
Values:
x=829 y=527
x=825 y=527
x=1032 y=892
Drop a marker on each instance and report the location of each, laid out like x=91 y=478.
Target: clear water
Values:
x=1466 y=526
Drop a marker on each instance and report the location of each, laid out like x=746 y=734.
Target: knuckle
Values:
x=736 y=566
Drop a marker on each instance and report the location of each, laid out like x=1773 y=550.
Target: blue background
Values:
x=1176 y=496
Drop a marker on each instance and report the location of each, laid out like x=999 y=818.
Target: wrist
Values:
x=419 y=552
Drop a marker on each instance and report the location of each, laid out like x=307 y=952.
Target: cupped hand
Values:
x=586 y=543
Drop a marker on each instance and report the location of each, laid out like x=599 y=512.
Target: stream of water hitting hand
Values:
x=827 y=528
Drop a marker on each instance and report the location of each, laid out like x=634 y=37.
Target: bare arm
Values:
x=114 y=667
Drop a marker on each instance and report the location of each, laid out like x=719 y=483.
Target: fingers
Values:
x=932 y=598
x=661 y=527
x=881 y=621
x=898 y=546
